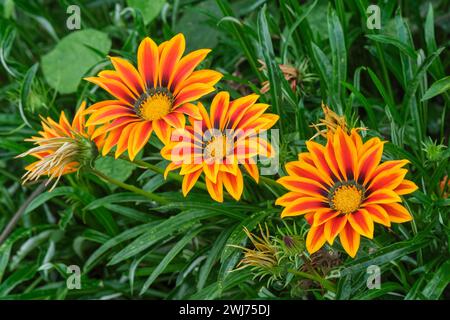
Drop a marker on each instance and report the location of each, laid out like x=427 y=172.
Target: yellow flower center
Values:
x=218 y=147
x=154 y=104
x=346 y=198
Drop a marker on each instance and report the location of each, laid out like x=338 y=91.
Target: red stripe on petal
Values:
x=207 y=77
x=378 y=214
x=215 y=189
x=186 y=66
x=362 y=222
x=323 y=215
x=141 y=136
x=162 y=130
x=192 y=93
x=382 y=196
x=234 y=184
x=406 y=187
x=189 y=181
x=350 y=240
x=115 y=88
x=315 y=238
x=148 y=62
x=176 y=120
x=129 y=75
x=334 y=226
x=107 y=114
x=219 y=110
x=302 y=206
x=397 y=213
x=170 y=56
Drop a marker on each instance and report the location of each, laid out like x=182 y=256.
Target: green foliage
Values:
x=394 y=81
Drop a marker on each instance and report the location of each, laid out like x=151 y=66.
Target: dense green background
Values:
x=394 y=81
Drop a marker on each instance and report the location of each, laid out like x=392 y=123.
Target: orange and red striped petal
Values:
x=362 y=222
x=215 y=189
x=238 y=107
x=234 y=184
x=315 y=238
x=211 y=171
x=189 y=109
x=405 y=187
x=390 y=179
x=369 y=161
x=397 y=213
x=191 y=93
x=129 y=75
x=334 y=226
x=122 y=144
x=346 y=154
x=302 y=206
x=378 y=214
x=287 y=199
x=219 y=110
x=108 y=114
x=170 y=56
x=303 y=185
x=317 y=153
x=252 y=170
x=323 y=215
x=350 y=240
x=162 y=130
x=115 y=88
x=189 y=181
x=176 y=120
x=139 y=137
x=207 y=77
x=186 y=66
x=148 y=62
x=382 y=196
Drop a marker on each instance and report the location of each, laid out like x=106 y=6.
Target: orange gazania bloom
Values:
x=342 y=188
x=152 y=98
x=218 y=143
x=62 y=147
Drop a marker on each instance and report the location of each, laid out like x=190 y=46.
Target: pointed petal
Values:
x=148 y=62
x=334 y=226
x=189 y=181
x=170 y=56
x=315 y=238
x=378 y=214
x=234 y=184
x=129 y=75
x=362 y=223
x=162 y=130
x=350 y=240
x=186 y=66
x=323 y=215
x=382 y=196
x=397 y=213
x=215 y=189
x=207 y=77
x=302 y=206
x=219 y=110
x=405 y=187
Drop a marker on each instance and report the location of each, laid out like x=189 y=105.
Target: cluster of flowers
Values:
x=342 y=188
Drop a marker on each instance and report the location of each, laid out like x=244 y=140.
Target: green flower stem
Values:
x=324 y=282
x=131 y=188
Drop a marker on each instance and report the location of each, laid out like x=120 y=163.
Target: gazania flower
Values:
x=218 y=143
x=62 y=148
x=153 y=97
x=343 y=189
